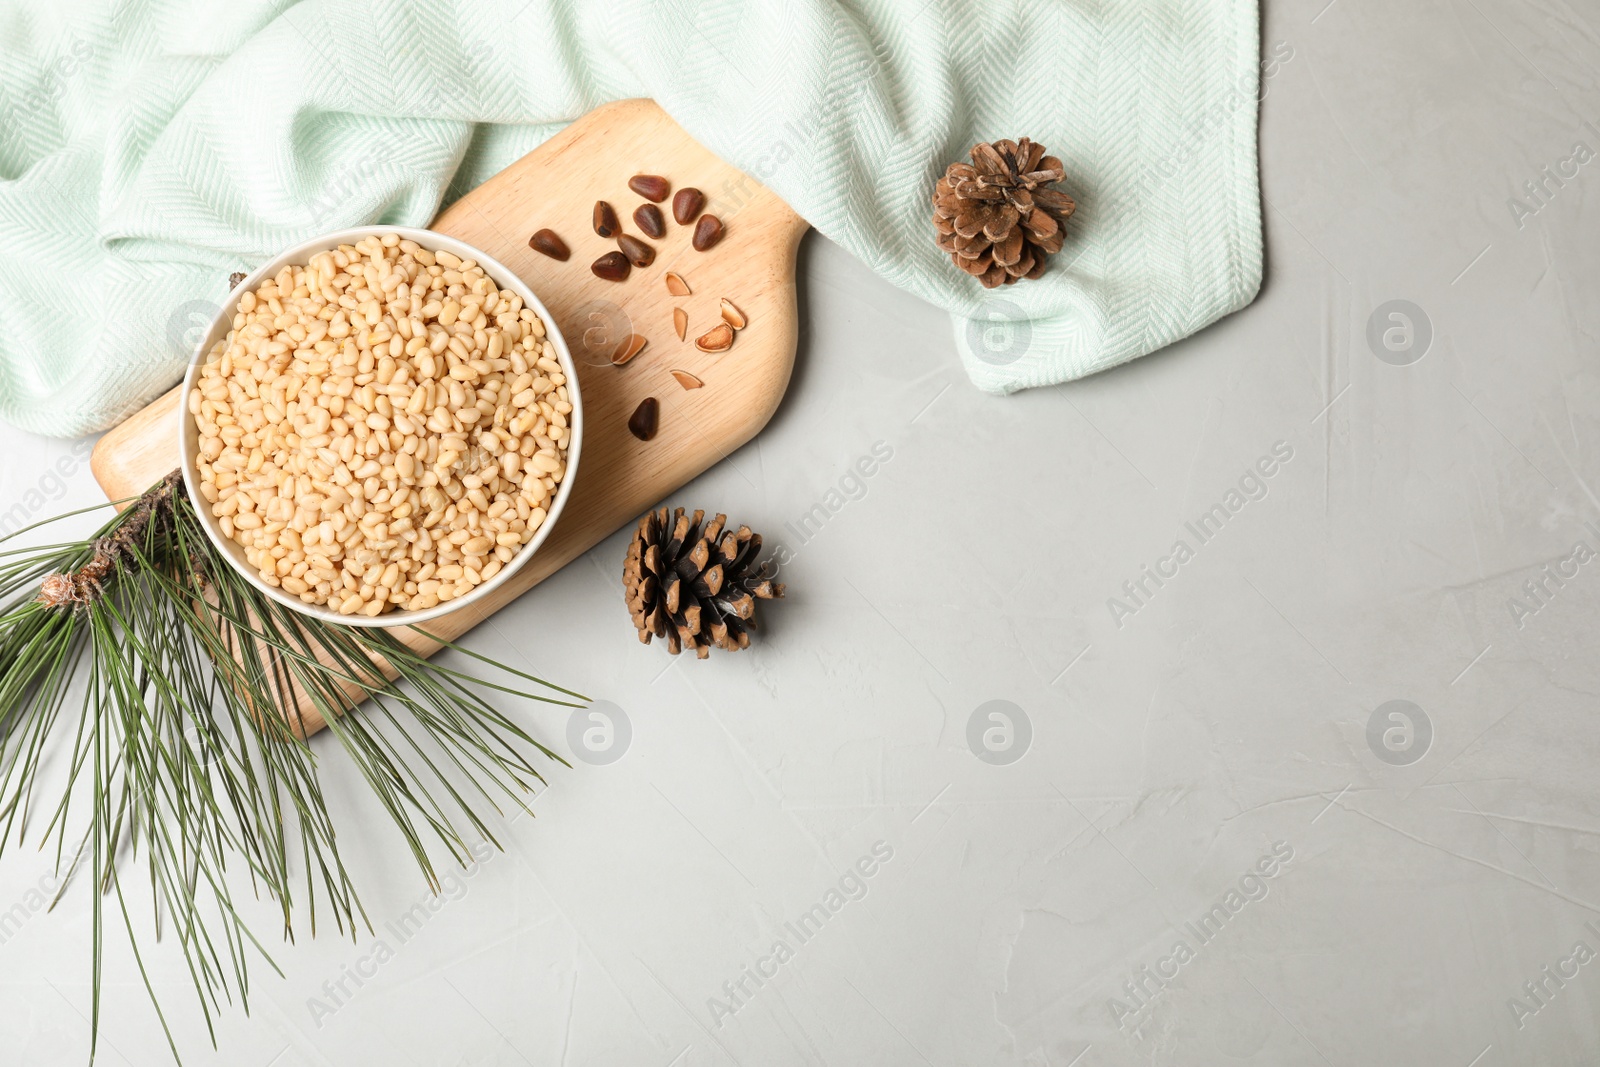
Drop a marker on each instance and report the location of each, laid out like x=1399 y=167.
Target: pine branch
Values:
x=184 y=745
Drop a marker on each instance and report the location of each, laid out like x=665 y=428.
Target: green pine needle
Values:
x=183 y=747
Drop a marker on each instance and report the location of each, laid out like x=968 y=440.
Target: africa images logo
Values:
x=1252 y=485
x=1146 y=983
x=1399 y=733
x=1000 y=333
x=599 y=733
x=999 y=732
x=1399 y=333
x=852 y=885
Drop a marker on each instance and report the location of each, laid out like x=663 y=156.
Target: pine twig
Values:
x=181 y=742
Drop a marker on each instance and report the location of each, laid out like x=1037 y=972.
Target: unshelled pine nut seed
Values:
x=707 y=232
x=605 y=219
x=638 y=252
x=686 y=206
x=650 y=186
x=613 y=267
x=649 y=219
x=642 y=424
x=548 y=242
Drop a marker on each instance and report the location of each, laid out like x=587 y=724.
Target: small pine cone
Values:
x=695 y=586
x=57 y=590
x=996 y=217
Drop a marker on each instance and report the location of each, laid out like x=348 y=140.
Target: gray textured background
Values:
x=1437 y=861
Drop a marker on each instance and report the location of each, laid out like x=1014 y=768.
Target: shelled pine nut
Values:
x=382 y=429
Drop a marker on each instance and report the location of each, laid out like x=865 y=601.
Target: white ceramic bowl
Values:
x=189 y=434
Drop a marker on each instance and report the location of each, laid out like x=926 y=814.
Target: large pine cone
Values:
x=995 y=217
x=695 y=587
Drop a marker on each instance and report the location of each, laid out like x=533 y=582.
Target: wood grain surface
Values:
x=556 y=186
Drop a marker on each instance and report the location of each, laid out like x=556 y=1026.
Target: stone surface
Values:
x=1053 y=781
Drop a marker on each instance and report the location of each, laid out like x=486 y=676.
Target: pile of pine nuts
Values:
x=382 y=429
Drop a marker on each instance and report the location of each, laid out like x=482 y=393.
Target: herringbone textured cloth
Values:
x=148 y=148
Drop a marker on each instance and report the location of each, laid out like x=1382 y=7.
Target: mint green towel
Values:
x=148 y=148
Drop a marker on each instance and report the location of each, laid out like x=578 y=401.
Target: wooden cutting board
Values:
x=556 y=186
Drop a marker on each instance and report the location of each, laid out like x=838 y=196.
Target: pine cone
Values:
x=995 y=217
x=695 y=586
